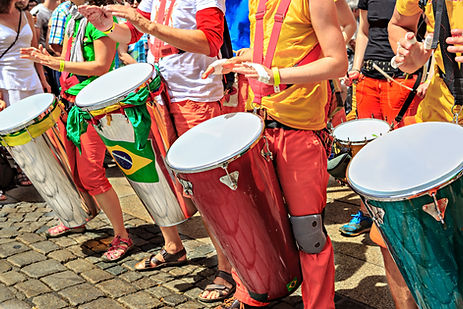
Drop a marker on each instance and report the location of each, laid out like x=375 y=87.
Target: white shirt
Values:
x=17 y=73
x=183 y=71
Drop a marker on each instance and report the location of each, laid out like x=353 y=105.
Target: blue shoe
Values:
x=357 y=225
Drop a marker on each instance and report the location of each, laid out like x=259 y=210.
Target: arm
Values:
x=38 y=66
x=360 y=43
x=124 y=56
x=105 y=49
x=346 y=19
x=410 y=57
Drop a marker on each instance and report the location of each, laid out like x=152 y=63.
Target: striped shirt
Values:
x=57 y=23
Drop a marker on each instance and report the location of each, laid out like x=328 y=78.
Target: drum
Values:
x=224 y=165
x=411 y=182
x=110 y=100
x=357 y=133
x=28 y=130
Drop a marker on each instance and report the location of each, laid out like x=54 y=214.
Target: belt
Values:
x=270 y=122
x=383 y=65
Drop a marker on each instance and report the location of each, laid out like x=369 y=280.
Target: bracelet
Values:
x=61 y=66
x=276 y=79
x=110 y=29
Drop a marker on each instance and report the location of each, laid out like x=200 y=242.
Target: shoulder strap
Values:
x=17 y=35
x=162 y=18
x=259 y=34
x=409 y=98
x=453 y=73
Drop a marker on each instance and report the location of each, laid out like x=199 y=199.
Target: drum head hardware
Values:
x=230 y=180
x=437 y=208
x=377 y=214
x=265 y=152
x=187 y=186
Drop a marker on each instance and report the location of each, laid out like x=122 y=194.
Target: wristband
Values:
x=110 y=29
x=61 y=66
x=276 y=79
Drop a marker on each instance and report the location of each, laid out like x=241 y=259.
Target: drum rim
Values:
x=24 y=124
x=363 y=142
x=222 y=163
x=115 y=98
x=412 y=193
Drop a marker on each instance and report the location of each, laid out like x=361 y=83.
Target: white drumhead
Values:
x=408 y=161
x=360 y=131
x=214 y=141
x=113 y=86
x=19 y=115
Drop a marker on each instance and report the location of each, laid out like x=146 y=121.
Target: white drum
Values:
x=28 y=130
x=357 y=133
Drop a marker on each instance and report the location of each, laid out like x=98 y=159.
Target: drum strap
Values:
x=158 y=48
x=410 y=98
x=261 y=89
x=453 y=76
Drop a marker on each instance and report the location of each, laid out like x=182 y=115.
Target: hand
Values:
x=422 y=89
x=411 y=55
x=46 y=86
x=40 y=55
x=250 y=71
x=456 y=42
x=351 y=77
x=98 y=16
x=128 y=13
x=2 y=105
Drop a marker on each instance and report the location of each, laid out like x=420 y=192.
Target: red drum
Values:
x=224 y=164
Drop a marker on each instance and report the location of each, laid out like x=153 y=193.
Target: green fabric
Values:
x=91 y=35
x=137 y=114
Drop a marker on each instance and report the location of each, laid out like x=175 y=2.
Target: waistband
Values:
x=370 y=71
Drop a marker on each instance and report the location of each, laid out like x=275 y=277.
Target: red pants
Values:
x=381 y=99
x=87 y=167
x=300 y=162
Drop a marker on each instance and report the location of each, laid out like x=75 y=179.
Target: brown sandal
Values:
x=152 y=262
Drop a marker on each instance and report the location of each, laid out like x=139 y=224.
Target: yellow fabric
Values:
x=438 y=102
x=24 y=136
x=106 y=110
x=301 y=106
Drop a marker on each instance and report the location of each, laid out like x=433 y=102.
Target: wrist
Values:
x=111 y=29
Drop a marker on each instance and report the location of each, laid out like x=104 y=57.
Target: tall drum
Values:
x=121 y=121
x=411 y=182
x=28 y=130
x=224 y=165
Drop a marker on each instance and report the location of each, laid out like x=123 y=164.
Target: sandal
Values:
x=152 y=262
x=22 y=180
x=3 y=197
x=117 y=249
x=224 y=291
x=61 y=230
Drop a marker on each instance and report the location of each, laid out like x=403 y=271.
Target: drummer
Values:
x=293 y=105
x=438 y=103
x=87 y=54
x=190 y=42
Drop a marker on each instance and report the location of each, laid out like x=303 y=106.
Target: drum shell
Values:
x=428 y=253
x=250 y=223
x=44 y=162
x=158 y=197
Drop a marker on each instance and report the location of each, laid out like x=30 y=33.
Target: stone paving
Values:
x=66 y=272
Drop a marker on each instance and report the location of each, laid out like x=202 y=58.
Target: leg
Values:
x=399 y=290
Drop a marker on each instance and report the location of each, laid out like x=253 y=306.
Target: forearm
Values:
x=193 y=41
x=322 y=69
x=360 y=47
x=121 y=34
x=348 y=32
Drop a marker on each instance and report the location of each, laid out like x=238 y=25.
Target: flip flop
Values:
x=152 y=262
x=224 y=291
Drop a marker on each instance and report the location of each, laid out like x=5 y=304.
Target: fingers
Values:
x=456 y=43
x=209 y=71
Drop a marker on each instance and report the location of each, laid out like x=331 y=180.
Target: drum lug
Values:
x=265 y=152
x=187 y=186
x=376 y=213
x=437 y=208
x=231 y=179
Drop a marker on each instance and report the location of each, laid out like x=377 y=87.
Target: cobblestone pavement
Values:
x=66 y=272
